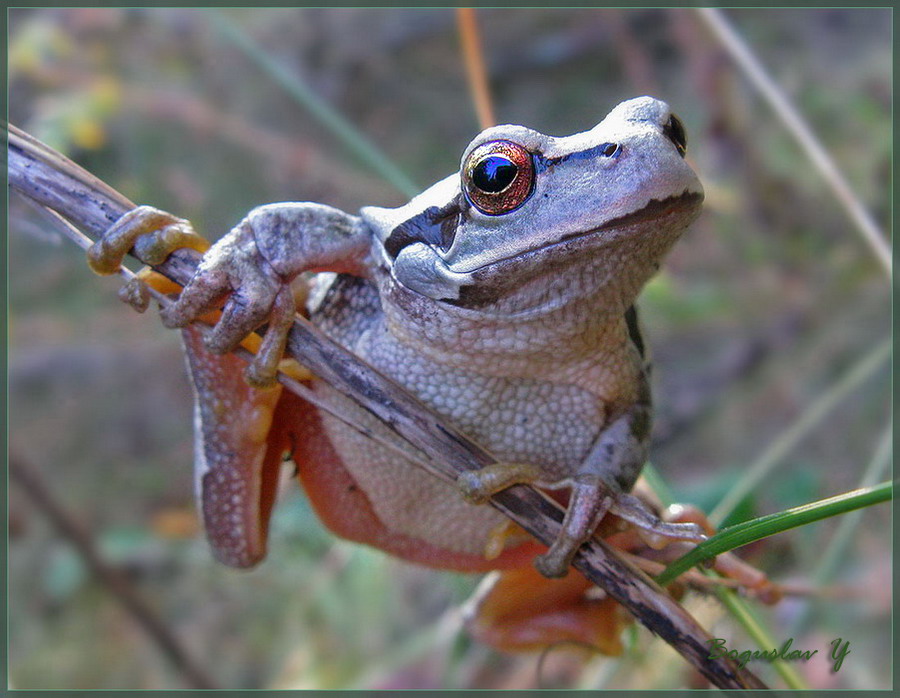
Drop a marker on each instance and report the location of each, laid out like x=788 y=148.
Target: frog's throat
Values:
x=420 y=267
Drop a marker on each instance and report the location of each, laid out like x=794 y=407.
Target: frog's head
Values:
x=527 y=209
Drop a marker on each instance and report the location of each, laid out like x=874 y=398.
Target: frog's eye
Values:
x=674 y=131
x=498 y=177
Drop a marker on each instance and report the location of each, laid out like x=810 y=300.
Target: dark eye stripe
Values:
x=433 y=226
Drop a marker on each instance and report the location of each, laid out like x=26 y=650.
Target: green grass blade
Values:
x=757 y=631
x=765 y=526
x=811 y=417
x=350 y=136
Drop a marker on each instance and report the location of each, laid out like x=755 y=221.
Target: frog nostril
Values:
x=674 y=131
x=610 y=149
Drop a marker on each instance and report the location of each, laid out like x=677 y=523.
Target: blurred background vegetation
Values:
x=770 y=301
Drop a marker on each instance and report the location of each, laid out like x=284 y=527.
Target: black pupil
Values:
x=494 y=174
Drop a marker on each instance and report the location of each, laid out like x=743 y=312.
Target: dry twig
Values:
x=475 y=67
x=27 y=477
x=795 y=123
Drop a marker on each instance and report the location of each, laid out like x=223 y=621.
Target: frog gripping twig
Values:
x=502 y=296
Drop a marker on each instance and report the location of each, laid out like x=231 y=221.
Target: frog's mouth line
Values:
x=653 y=210
x=493 y=280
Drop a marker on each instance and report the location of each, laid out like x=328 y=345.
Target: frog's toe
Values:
x=156 y=247
x=203 y=293
x=688 y=513
x=263 y=370
x=260 y=375
x=102 y=260
x=136 y=293
x=655 y=531
x=555 y=562
x=153 y=234
x=243 y=313
x=478 y=485
x=471 y=487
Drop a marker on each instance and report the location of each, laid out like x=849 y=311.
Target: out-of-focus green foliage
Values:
x=768 y=301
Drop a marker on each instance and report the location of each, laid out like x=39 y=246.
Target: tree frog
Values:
x=503 y=296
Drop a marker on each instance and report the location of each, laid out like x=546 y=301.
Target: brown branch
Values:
x=27 y=477
x=52 y=180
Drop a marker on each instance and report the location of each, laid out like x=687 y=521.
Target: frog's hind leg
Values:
x=237 y=454
x=521 y=610
x=753 y=581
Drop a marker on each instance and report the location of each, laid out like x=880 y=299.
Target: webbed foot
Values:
x=233 y=268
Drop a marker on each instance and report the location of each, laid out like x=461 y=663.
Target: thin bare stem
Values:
x=475 y=67
x=795 y=123
x=27 y=477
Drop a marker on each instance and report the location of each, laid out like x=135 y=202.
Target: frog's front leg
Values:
x=599 y=485
x=239 y=430
x=252 y=266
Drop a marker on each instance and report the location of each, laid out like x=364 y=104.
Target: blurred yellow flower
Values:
x=87 y=133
